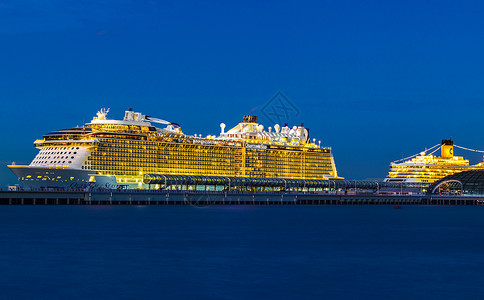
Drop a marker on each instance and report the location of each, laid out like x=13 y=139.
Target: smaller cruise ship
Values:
x=427 y=168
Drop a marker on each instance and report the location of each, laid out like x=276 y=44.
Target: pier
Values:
x=222 y=198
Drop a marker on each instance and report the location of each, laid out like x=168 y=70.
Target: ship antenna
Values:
x=253 y=109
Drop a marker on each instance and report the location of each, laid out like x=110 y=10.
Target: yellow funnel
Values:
x=447 y=149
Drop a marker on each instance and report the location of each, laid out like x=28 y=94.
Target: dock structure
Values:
x=141 y=197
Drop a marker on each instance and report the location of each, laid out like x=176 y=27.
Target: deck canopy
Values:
x=234 y=182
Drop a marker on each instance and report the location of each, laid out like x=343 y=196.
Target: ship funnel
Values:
x=447 y=149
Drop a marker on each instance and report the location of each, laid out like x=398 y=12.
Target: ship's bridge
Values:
x=188 y=182
x=132 y=118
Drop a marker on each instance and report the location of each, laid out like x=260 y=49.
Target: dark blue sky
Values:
x=375 y=80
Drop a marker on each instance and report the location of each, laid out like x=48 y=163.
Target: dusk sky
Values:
x=375 y=80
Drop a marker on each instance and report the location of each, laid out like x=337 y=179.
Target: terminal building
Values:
x=464 y=183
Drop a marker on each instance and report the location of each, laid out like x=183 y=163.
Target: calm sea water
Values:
x=173 y=252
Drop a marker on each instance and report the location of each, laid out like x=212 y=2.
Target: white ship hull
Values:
x=45 y=177
x=401 y=179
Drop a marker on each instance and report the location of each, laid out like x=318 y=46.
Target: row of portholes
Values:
x=61 y=157
x=61 y=148
x=51 y=162
x=62 y=152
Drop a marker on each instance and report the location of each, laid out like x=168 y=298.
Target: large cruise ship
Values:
x=427 y=168
x=118 y=153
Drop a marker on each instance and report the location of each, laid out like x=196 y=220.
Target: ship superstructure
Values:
x=427 y=168
x=113 y=153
